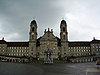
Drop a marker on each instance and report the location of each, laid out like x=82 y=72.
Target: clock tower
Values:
x=64 y=38
x=32 y=39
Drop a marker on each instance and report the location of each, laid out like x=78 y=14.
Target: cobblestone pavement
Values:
x=41 y=69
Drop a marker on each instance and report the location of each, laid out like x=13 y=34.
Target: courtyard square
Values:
x=44 y=69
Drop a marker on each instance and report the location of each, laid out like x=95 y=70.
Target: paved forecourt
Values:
x=53 y=69
x=93 y=71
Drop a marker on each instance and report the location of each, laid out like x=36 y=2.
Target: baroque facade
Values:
x=60 y=47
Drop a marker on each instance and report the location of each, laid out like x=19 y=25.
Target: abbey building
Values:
x=59 y=47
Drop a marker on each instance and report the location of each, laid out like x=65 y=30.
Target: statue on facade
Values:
x=48 y=57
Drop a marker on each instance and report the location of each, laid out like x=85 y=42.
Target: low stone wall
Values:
x=13 y=59
x=80 y=60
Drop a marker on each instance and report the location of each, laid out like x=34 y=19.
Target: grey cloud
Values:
x=16 y=16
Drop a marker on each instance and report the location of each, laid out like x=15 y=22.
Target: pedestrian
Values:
x=98 y=62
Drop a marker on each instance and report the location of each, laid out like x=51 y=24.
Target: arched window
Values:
x=64 y=53
x=32 y=36
x=64 y=37
x=33 y=29
x=64 y=29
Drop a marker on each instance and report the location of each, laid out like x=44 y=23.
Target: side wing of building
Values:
x=18 y=49
x=79 y=48
x=84 y=48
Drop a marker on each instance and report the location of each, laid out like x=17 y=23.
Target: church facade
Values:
x=59 y=47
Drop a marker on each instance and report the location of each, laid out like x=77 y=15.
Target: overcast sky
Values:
x=82 y=17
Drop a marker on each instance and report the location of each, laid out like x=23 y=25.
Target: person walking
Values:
x=98 y=62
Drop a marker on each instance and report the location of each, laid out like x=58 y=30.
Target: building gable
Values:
x=48 y=35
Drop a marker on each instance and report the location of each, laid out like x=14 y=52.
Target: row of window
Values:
x=2 y=50
x=81 y=54
x=18 y=47
x=19 y=50
x=2 y=47
x=18 y=54
x=79 y=50
x=97 y=49
x=79 y=47
x=96 y=44
x=15 y=50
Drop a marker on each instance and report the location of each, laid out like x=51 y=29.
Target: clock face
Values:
x=63 y=33
x=32 y=33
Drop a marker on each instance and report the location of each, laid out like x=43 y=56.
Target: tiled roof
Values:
x=2 y=42
x=17 y=44
x=78 y=43
x=95 y=41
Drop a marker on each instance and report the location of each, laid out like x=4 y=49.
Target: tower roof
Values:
x=33 y=22
x=63 y=22
x=2 y=42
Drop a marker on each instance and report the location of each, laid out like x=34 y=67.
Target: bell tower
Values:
x=64 y=38
x=33 y=31
x=32 y=38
